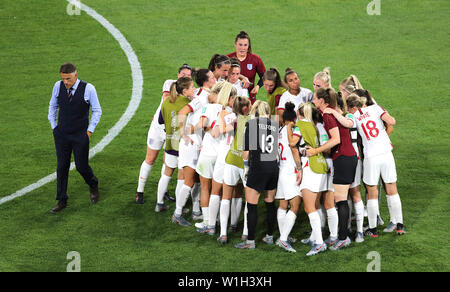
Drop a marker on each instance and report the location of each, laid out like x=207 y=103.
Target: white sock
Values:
x=195 y=195
x=314 y=221
x=372 y=210
x=323 y=216
x=180 y=184
x=281 y=216
x=143 y=175
x=182 y=197
x=359 y=213
x=236 y=207
x=162 y=188
x=214 y=205
x=224 y=215
x=395 y=211
x=333 y=221
x=205 y=212
x=163 y=168
x=289 y=222
x=245 y=229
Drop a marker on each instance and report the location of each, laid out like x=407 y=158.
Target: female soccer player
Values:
x=218 y=98
x=289 y=178
x=314 y=174
x=233 y=78
x=349 y=122
x=378 y=161
x=344 y=160
x=190 y=142
x=251 y=64
x=295 y=93
x=181 y=93
x=322 y=79
x=156 y=138
x=220 y=65
x=260 y=158
x=275 y=88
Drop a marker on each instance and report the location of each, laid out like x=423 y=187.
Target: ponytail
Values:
x=178 y=86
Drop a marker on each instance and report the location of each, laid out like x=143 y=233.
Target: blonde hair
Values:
x=260 y=109
x=226 y=92
x=324 y=75
x=305 y=110
x=352 y=80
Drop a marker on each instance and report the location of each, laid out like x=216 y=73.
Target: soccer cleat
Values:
x=246 y=244
x=199 y=225
x=222 y=239
x=180 y=220
x=390 y=228
x=400 y=229
x=285 y=245
x=197 y=215
x=307 y=241
x=359 y=237
x=317 y=248
x=371 y=232
x=268 y=239
x=292 y=239
x=330 y=241
x=161 y=208
x=210 y=230
x=341 y=244
x=168 y=197
x=380 y=221
x=139 y=198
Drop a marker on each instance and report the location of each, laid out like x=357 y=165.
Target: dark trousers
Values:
x=65 y=144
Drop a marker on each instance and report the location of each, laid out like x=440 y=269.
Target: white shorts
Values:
x=188 y=155
x=171 y=160
x=384 y=165
x=287 y=188
x=218 y=172
x=315 y=182
x=205 y=165
x=232 y=175
x=156 y=136
x=358 y=173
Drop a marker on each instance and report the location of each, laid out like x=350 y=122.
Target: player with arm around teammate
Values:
x=378 y=161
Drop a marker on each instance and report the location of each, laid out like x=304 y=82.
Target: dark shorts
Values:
x=344 y=169
x=262 y=179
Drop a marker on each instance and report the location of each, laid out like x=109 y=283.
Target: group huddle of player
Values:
x=310 y=146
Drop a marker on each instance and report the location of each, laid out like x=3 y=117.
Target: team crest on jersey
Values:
x=249 y=66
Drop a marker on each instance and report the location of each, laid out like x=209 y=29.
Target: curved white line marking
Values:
x=136 y=96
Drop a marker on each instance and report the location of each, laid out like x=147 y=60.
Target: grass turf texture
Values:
x=399 y=56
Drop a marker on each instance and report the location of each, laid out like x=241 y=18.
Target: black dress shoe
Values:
x=61 y=205
x=94 y=194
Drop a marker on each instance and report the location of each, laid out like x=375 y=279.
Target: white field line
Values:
x=136 y=96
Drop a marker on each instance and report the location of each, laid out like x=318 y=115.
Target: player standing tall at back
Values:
x=156 y=136
x=71 y=100
x=260 y=154
x=251 y=64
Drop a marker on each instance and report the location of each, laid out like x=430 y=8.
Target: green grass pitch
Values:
x=401 y=56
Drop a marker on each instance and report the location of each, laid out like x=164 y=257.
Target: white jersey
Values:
x=305 y=95
x=372 y=131
x=226 y=139
x=353 y=133
x=197 y=104
x=209 y=144
x=284 y=150
x=240 y=90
